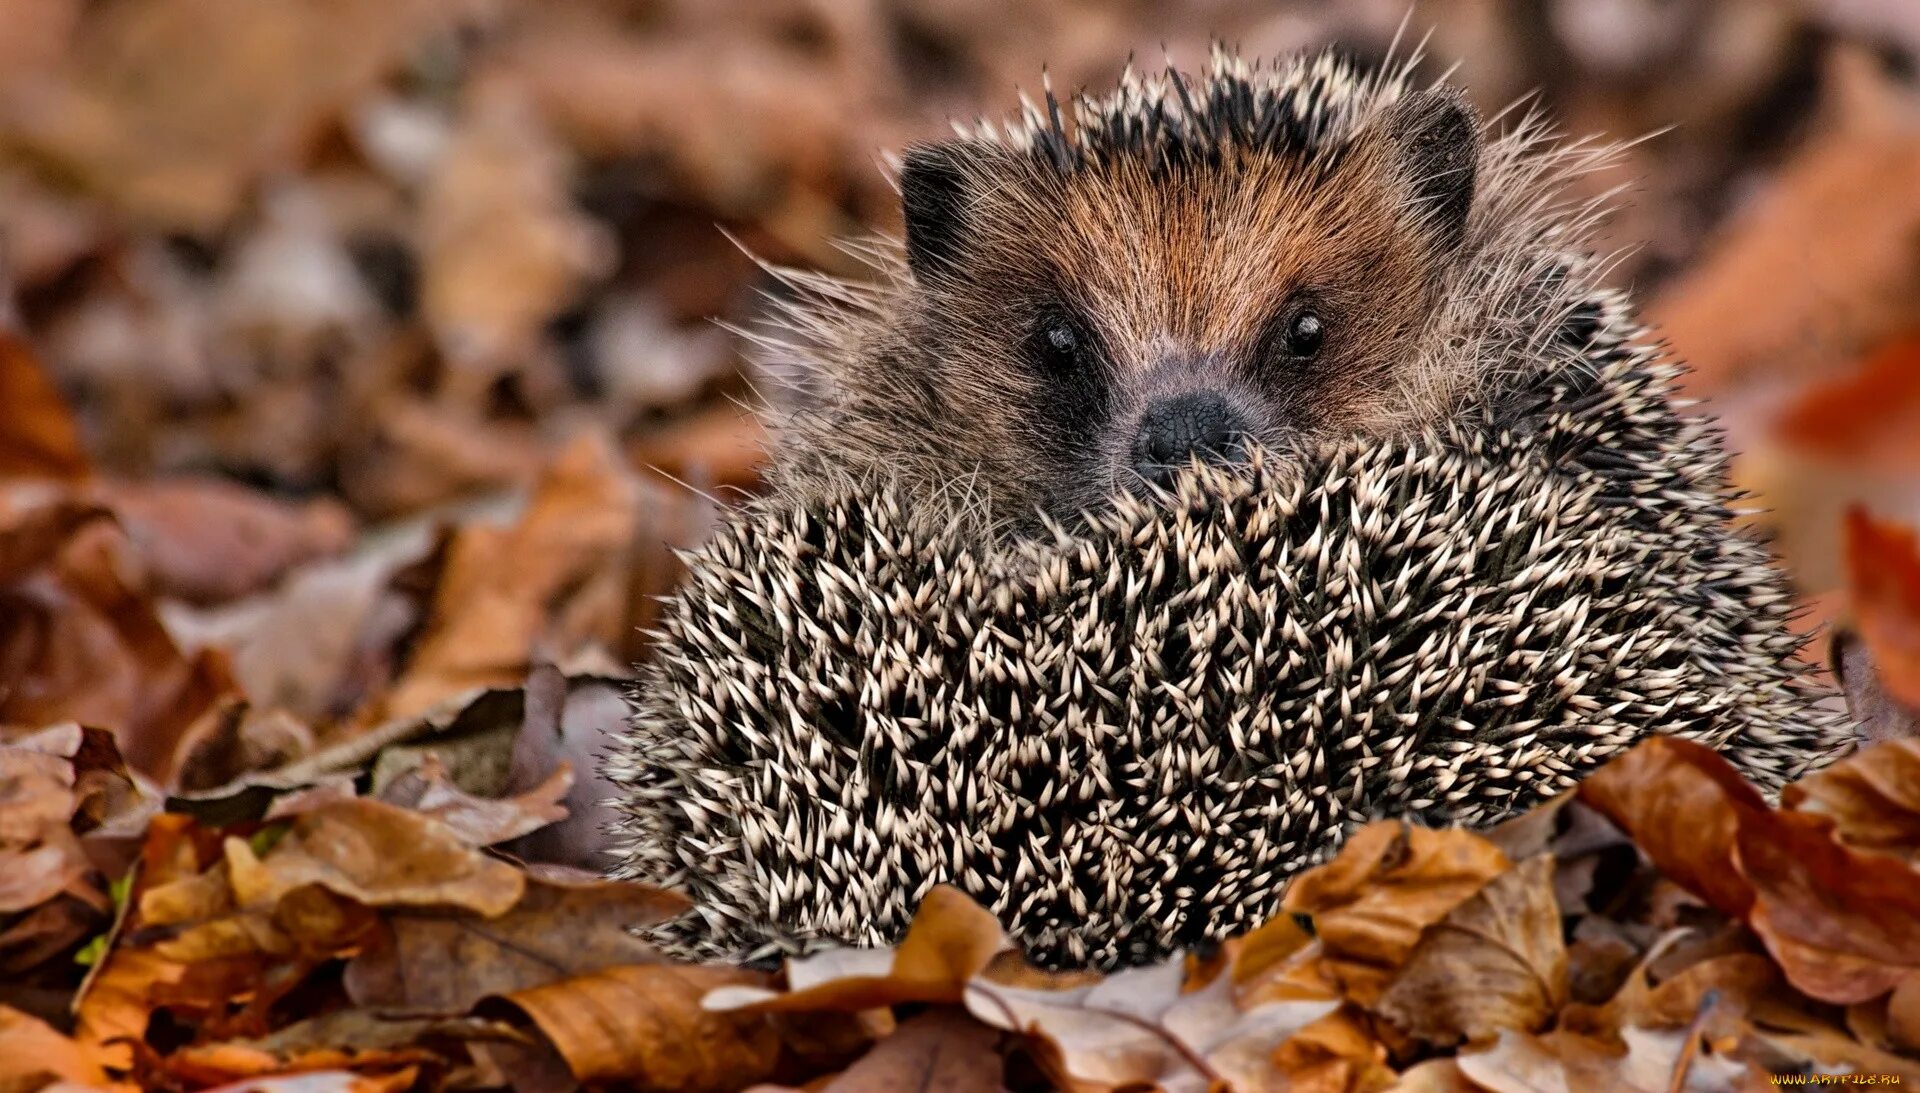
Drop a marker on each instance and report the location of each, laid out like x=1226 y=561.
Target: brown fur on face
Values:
x=1177 y=243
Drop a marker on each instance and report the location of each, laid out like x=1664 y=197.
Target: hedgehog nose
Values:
x=1175 y=430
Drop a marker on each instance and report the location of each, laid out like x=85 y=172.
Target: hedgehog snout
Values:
x=1175 y=430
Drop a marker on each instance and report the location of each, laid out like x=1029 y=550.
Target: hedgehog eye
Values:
x=1304 y=334
x=1058 y=345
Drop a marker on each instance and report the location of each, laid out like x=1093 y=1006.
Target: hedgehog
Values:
x=1214 y=466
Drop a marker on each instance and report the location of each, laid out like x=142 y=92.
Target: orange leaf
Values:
x=952 y=939
x=32 y=1054
x=1867 y=417
x=645 y=1024
x=1681 y=803
x=37 y=434
x=1872 y=796
x=378 y=854
x=1883 y=574
x=1389 y=882
x=1844 y=926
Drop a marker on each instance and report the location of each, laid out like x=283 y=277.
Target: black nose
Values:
x=1175 y=430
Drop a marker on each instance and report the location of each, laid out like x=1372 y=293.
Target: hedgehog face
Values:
x=1096 y=314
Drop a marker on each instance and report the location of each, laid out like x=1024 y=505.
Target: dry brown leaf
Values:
x=206 y=540
x=118 y=1002
x=38 y=437
x=1883 y=574
x=951 y=941
x=447 y=962
x=1336 y=1054
x=554 y=582
x=1873 y=797
x=940 y=1051
x=1682 y=805
x=644 y=1024
x=1138 y=1026
x=1844 y=926
x=1524 y=1063
x=348 y=1039
x=481 y=821
x=1373 y=901
x=1495 y=962
x=377 y=854
x=32 y=1054
x=86 y=644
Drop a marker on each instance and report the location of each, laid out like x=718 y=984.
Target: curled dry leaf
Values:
x=379 y=855
x=554 y=582
x=645 y=1025
x=1495 y=962
x=1390 y=882
x=448 y=962
x=1844 y=926
x=480 y=821
x=1872 y=796
x=1682 y=805
x=951 y=940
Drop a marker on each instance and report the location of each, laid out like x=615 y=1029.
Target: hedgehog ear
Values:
x=933 y=194
x=1436 y=144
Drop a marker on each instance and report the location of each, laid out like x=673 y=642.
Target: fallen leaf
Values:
x=1336 y=1054
x=942 y=1049
x=1844 y=925
x=207 y=540
x=348 y=1039
x=481 y=821
x=447 y=962
x=1883 y=572
x=1731 y=321
x=38 y=437
x=170 y=109
x=645 y=1024
x=1682 y=805
x=1390 y=881
x=32 y=1054
x=1495 y=962
x=86 y=644
x=502 y=247
x=379 y=855
x=950 y=941
x=1138 y=1026
x=1872 y=796
x=553 y=582
x=1523 y=1063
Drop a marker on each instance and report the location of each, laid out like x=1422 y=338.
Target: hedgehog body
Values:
x=1500 y=558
